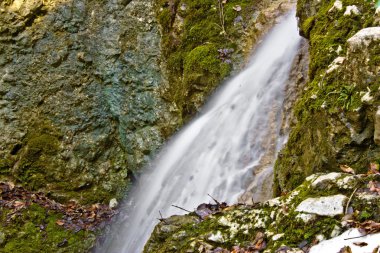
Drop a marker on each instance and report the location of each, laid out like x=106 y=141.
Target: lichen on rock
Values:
x=296 y=220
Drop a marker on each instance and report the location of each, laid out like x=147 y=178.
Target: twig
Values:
x=217 y=202
x=160 y=219
x=183 y=209
x=356 y=237
x=349 y=200
x=221 y=16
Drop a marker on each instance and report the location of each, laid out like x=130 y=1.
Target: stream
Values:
x=218 y=151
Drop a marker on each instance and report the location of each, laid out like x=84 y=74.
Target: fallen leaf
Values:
x=347 y=169
x=374 y=186
x=60 y=222
x=369 y=227
x=375 y=250
x=373 y=168
x=360 y=244
x=19 y=204
x=11 y=185
x=345 y=249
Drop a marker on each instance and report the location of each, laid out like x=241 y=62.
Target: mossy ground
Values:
x=34 y=229
x=331 y=103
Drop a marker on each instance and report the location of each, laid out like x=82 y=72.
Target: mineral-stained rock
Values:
x=80 y=106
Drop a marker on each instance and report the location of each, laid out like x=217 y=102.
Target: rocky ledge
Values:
x=323 y=207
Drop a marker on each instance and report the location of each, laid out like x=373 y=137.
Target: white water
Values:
x=216 y=152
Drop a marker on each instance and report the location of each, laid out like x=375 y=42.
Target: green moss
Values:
x=35 y=230
x=36 y=160
x=320 y=140
x=197 y=33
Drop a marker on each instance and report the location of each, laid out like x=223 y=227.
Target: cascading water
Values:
x=216 y=152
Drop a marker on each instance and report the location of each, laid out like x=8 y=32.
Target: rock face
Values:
x=301 y=218
x=79 y=100
x=323 y=206
x=335 y=115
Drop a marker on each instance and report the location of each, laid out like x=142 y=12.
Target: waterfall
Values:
x=217 y=152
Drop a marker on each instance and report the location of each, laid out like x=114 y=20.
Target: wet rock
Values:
x=324 y=206
x=74 y=62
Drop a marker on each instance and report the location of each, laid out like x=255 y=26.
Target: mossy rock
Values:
x=282 y=220
x=333 y=125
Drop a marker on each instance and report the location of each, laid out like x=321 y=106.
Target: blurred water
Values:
x=217 y=151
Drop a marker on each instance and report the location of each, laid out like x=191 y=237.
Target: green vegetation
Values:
x=192 y=35
x=35 y=230
x=238 y=225
x=331 y=103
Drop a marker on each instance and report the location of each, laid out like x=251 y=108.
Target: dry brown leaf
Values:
x=345 y=249
x=374 y=186
x=60 y=222
x=373 y=168
x=19 y=204
x=369 y=227
x=375 y=250
x=360 y=244
x=347 y=169
x=11 y=185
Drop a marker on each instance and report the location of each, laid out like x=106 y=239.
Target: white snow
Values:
x=334 y=245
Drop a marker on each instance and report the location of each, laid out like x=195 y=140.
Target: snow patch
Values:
x=336 y=244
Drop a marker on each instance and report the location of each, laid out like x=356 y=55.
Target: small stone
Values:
x=326 y=179
x=338 y=5
x=183 y=7
x=339 y=49
x=335 y=64
x=336 y=231
x=323 y=206
x=367 y=98
x=320 y=238
x=218 y=237
x=113 y=204
x=276 y=237
x=351 y=10
x=306 y=217
x=376 y=136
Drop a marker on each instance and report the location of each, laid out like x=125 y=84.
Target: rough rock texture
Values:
x=200 y=52
x=281 y=220
x=78 y=94
x=336 y=112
